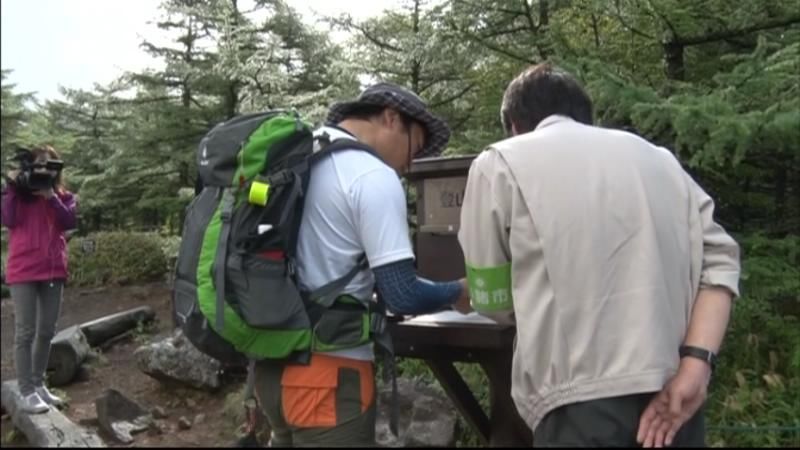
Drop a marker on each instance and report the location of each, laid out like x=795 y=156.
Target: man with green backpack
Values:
x=284 y=246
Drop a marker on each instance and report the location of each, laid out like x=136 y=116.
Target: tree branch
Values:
x=492 y=47
x=727 y=34
x=529 y=17
x=622 y=21
x=458 y=123
x=372 y=38
x=436 y=80
x=455 y=97
x=482 y=7
x=503 y=32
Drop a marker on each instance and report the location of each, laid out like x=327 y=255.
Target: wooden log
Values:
x=101 y=330
x=50 y=429
x=67 y=352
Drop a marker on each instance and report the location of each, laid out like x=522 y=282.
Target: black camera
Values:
x=33 y=175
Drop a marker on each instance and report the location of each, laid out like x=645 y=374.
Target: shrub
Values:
x=116 y=258
x=755 y=394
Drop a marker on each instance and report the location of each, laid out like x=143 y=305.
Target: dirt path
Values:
x=117 y=369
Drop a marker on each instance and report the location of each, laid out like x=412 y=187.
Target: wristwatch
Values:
x=699 y=353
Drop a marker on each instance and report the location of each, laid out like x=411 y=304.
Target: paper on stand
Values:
x=453 y=317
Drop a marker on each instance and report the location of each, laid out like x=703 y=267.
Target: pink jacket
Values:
x=37 y=248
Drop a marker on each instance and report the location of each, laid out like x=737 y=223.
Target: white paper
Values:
x=453 y=317
x=264 y=228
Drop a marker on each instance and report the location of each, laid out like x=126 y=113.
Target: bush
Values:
x=755 y=396
x=116 y=258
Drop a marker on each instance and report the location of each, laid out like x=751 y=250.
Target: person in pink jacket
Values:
x=36 y=271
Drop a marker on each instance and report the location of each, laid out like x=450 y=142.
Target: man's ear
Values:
x=390 y=117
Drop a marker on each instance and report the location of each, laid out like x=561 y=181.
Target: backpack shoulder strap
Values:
x=326 y=295
x=329 y=146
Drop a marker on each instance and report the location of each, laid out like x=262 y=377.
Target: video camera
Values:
x=33 y=175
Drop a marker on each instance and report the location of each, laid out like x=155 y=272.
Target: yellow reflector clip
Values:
x=259 y=193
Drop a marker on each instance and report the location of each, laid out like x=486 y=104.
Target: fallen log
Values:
x=101 y=330
x=50 y=429
x=68 y=350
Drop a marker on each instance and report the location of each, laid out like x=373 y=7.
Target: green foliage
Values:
x=116 y=258
x=13 y=437
x=170 y=245
x=15 y=113
x=143 y=332
x=757 y=385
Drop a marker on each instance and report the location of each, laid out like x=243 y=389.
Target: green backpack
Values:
x=235 y=294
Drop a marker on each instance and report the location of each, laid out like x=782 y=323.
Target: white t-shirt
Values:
x=355 y=204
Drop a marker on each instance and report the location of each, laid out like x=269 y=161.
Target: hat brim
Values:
x=437 y=133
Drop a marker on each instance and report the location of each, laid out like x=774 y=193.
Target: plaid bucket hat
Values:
x=404 y=101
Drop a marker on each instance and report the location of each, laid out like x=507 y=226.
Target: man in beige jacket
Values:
x=605 y=253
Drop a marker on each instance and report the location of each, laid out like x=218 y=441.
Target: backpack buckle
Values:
x=377 y=323
x=281 y=177
x=227 y=204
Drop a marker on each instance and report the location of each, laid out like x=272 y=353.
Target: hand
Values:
x=677 y=402
x=462 y=304
x=46 y=193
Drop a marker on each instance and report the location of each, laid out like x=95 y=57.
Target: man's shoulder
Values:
x=356 y=162
x=355 y=169
x=491 y=159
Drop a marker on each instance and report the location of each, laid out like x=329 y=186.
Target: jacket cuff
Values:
x=726 y=279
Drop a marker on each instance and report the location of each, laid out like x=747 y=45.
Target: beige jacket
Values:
x=607 y=240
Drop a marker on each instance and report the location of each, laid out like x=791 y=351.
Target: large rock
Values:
x=120 y=416
x=176 y=359
x=427 y=418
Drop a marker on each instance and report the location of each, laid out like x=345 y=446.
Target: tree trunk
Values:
x=780 y=197
x=673 y=59
x=415 y=65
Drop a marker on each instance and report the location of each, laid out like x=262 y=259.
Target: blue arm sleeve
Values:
x=406 y=293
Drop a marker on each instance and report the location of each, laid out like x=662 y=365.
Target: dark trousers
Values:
x=609 y=422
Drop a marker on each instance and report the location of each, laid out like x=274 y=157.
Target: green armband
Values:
x=490 y=288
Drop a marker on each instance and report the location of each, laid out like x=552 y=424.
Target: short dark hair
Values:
x=367 y=112
x=541 y=91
